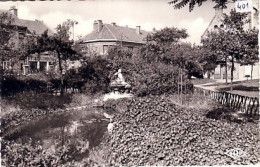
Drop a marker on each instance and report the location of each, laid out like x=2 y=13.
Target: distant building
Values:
x=22 y=30
x=240 y=72
x=105 y=35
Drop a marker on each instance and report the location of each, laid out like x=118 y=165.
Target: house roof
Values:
x=216 y=20
x=111 y=32
x=37 y=27
x=33 y=26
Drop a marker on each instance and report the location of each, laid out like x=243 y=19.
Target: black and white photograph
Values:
x=129 y=83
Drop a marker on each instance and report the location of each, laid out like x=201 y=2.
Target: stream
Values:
x=77 y=128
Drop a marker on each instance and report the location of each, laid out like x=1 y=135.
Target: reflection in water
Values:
x=77 y=130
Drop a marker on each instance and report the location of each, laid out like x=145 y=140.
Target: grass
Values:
x=194 y=101
x=254 y=82
x=245 y=88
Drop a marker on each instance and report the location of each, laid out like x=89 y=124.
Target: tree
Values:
x=178 y=4
x=233 y=42
x=213 y=51
x=60 y=44
x=252 y=49
x=6 y=21
x=165 y=47
x=168 y=35
x=208 y=59
x=6 y=33
x=159 y=44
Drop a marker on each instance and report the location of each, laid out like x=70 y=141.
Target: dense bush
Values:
x=39 y=101
x=119 y=105
x=30 y=154
x=153 y=131
x=94 y=75
x=73 y=80
x=155 y=79
x=12 y=85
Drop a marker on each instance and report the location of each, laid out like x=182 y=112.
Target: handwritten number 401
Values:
x=243 y=6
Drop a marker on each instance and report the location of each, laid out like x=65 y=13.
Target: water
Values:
x=83 y=128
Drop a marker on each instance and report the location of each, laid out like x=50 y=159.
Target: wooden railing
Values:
x=245 y=104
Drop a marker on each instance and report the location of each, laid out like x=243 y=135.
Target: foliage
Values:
x=118 y=105
x=95 y=75
x=251 y=49
x=6 y=20
x=154 y=131
x=60 y=43
x=154 y=69
x=155 y=79
x=9 y=52
x=232 y=44
x=178 y=4
x=73 y=80
x=208 y=59
x=39 y=101
x=168 y=35
x=12 y=85
x=31 y=154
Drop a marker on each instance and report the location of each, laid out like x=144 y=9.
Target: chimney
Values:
x=113 y=24
x=97 y=26
x=13 y=10
x=138 y=29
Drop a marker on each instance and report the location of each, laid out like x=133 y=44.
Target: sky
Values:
x=148 y=14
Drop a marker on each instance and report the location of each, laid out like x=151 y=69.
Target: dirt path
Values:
x=207 y=86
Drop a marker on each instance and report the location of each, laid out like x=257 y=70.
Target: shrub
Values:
x=147 y=74
x=41 y=101
x=153 y=131
x=95 y=75
x=12 y=85
x=119 y=105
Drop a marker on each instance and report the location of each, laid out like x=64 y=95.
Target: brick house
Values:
x=21 y=31
x=105 y=35
x=240 y=72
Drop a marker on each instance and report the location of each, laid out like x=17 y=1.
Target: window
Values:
x=130 y=49
x=21 y=35
x=105 y=49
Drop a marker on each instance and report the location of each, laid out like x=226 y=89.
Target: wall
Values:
x=98 y=47
x=239 y=72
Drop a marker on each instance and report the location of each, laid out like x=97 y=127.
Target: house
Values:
x=240 y=72
x=105 y=35
x=23 y=30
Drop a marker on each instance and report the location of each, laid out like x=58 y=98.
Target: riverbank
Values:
x=62 y=135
